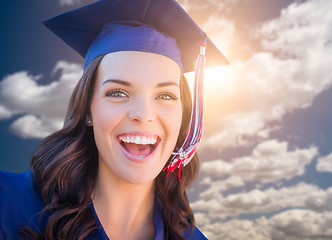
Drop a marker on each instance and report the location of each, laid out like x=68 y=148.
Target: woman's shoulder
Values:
x=17 y=180
x=195 y=234
x=18 y=188
x=19 y=202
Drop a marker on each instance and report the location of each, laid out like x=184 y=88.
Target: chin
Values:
x=142 y=178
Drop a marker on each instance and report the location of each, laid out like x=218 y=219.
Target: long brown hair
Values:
x=65 y=167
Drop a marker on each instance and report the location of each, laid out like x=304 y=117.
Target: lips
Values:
x=138 y=147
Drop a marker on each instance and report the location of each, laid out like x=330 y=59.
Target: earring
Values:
x=89 y=121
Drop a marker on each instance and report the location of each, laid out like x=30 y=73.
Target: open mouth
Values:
x=138 y=146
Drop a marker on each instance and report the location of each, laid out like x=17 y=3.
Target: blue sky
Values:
x=266 y=155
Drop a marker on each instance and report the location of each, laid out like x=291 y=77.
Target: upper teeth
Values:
x=138 y=139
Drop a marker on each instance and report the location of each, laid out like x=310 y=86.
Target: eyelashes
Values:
x=166 y=96
x=119 y=93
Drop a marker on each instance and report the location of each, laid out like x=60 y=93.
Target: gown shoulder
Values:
x=20 y=204
x=196 y=234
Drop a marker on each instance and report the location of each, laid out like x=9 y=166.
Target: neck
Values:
x=123 y=207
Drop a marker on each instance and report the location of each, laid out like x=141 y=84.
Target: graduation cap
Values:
x=157 y=26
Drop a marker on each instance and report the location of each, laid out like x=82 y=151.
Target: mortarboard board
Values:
x=157 y=19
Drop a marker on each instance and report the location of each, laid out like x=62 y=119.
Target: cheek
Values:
x=172 y=121
x=176 y=121
x=105 y=118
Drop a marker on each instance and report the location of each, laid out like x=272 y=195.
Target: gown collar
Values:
x=158 y=223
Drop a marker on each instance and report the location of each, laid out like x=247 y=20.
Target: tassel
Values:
x=195 y=131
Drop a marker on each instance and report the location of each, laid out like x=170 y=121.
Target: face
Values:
x=136 y=114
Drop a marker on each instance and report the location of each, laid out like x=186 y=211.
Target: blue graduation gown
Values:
x=20 y=205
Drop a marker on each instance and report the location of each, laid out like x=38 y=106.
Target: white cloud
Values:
x=233 y=129
x=213 y=5
x=270 y=161
x=4 y=113
x=68 y=2
x=324 y=164
x=241 y=100
x=283 y=204
x=301 y=224
x=30 y=126
x=271 y=199
x=218 y=207
x=221 y=31
x=294 y=224
x=320 y=200
x=236 y=229
x=290 y=71
x=216 y=187
x=41 y=108
x=301 y=30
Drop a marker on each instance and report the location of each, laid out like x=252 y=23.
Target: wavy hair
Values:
x=65 y=167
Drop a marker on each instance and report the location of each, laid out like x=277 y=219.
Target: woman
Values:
x=100 y=177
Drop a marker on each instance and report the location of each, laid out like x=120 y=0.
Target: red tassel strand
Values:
x=194 y=135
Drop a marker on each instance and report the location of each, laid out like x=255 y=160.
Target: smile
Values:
x=138 y=147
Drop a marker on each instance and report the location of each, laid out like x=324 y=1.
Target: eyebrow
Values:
x=166 y=84
x=125 y=83
x=128 y=84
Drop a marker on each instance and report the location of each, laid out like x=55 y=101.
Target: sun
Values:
x=215 y=78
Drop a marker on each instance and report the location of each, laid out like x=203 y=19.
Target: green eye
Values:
x=117 y=93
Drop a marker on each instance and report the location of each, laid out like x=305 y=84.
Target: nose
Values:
x=142 y=110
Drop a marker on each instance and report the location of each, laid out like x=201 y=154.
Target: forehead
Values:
x=138 y=66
